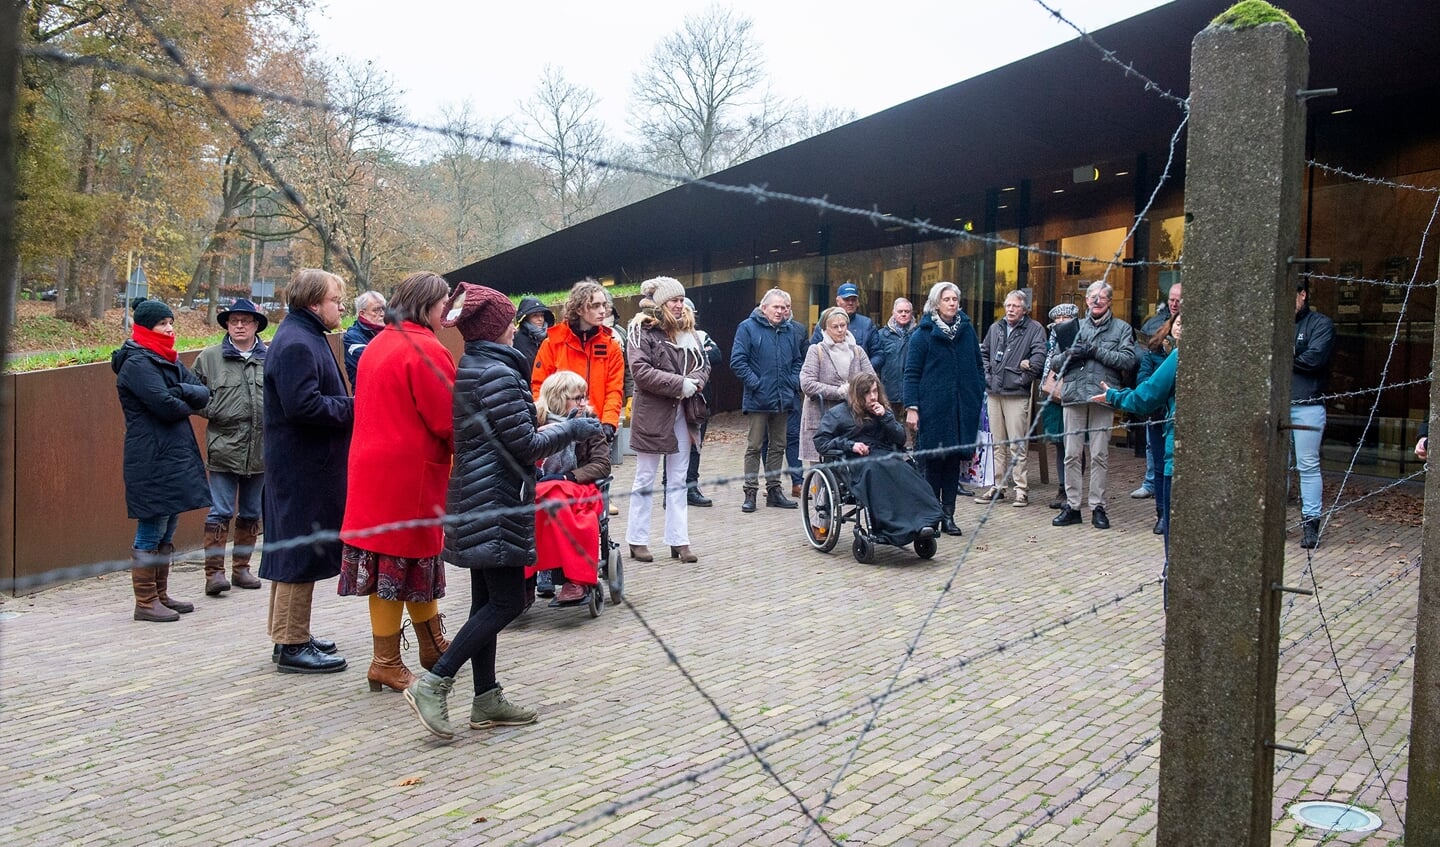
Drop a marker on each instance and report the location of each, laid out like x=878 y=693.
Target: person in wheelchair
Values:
x=900 y=503
x=568 y=501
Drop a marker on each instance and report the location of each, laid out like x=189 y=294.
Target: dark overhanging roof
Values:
x=934 y=157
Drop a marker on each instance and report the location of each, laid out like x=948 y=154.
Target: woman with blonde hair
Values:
x=567 y=528
x=399 y=466
x=670 y=367
x=829 y=365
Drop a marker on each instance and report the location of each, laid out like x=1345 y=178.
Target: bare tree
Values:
x=561 y=118
x=702 y=103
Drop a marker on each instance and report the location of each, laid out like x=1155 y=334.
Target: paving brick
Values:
x=184 y=733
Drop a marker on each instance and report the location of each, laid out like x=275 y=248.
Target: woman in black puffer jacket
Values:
x=497 y=444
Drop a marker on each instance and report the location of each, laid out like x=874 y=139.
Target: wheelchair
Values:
x=827 y=504
x=610 y=567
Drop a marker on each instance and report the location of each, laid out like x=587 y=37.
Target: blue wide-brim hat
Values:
x=243 y=307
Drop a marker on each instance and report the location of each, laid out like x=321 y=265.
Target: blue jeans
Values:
x=233 y=494
x=1154 y=454
x=150 y=533
x=1307 y=456
x=1154 y=460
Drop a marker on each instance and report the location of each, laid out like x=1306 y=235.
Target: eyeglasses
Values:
x=579 y=398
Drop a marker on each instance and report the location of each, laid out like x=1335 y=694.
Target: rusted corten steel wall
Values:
x=63 y=489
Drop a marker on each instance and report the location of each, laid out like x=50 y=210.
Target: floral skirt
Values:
x=390 y=577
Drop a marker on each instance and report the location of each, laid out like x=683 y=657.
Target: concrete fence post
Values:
x=1422 y=804
x=1242 y=199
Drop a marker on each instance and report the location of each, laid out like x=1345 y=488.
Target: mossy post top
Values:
x=1248 y=14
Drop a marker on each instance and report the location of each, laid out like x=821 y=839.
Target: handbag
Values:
x=1052 y=385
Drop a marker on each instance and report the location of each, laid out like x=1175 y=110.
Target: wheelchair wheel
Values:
x=863 y=548
x=820 y=509
x=595 y=599
x=925 y=547
x=615 y=574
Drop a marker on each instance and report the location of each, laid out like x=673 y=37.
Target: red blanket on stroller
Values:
x=568 y=539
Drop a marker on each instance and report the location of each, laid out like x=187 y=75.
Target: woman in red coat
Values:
x=399 y=468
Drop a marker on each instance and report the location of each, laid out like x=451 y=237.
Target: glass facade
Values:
x=1073 y=233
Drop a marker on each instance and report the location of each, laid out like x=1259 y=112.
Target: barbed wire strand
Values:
x=866 y=702
x=1109 y=57
x=1050 y=812
x=1372 y=180
x=760 y=193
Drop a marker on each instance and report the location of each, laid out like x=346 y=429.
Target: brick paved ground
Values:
x=117 y=732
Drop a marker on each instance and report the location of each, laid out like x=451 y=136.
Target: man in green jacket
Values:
x=234 y=370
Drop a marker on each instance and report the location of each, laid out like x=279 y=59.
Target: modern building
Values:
x=1039 y=170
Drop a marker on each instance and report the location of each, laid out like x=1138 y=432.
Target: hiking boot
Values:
x=693 y=497
x=427 y=697
x=749 y=505
x=775 y=497
x=492 y=709
x=1310 y=530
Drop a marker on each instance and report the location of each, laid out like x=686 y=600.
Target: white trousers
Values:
x=642 y=501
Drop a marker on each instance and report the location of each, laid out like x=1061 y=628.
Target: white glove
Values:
x=690 y=387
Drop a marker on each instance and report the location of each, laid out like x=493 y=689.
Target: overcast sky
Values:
x=492 y=54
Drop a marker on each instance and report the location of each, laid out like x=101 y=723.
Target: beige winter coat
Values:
x=824 y=386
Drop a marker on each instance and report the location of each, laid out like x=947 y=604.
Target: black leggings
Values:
x=497 y=597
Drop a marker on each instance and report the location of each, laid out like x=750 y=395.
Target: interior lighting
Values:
x=1003 y=206
x=1084 y=173
x=796 y=241
x=1011 y=188
x=1058 y=191
x=1122 y=173
x=1342 y=111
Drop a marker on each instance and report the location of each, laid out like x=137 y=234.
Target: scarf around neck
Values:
x=158 y=343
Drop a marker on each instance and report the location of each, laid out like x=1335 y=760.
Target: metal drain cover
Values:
x=1335 y=817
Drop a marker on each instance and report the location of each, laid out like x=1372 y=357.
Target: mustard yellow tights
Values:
x=385 y=614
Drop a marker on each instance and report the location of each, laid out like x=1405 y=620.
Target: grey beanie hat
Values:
x=666 y=289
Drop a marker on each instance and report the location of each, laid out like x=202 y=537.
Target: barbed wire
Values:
x=760 y=193
x=1050 y=812
x=1356 y=603
x=1389 y=283
x=1374 y=683
x=1109 y=57
x=824 y=722
x=1360 y=392
x=1372 y=180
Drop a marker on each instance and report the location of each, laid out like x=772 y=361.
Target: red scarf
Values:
x=156 y=342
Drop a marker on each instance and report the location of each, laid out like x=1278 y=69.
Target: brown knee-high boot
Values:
x=387 y=668
x=216 y=535
x=166 y=553
x=245 y=534
x=142 y=579
x=431 y=637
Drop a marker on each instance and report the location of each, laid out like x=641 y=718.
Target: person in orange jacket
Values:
x=581 y=342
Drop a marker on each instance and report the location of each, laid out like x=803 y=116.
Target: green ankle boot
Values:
x=427 y=698
x=492 y=709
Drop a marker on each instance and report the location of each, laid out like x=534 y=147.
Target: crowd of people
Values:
x=437 y=461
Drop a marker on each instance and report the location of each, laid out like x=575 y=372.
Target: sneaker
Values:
x=1021 y=500
x=545 y=584
x=427 y=697
x=990 y=495
x=1142 y=493
x=492 y=709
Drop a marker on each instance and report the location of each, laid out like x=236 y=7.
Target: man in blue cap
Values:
x=847 y=297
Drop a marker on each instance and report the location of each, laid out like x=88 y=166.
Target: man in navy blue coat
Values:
x=308 y=417
x=769 y=350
